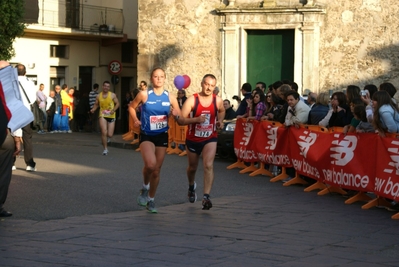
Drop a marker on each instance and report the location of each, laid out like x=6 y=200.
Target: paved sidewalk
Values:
x=286 y=228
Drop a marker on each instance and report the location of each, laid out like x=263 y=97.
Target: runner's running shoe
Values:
x=206 y=204
x=142 y=199
x=192 y=196
x=151 y=207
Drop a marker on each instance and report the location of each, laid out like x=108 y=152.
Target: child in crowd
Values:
x=351 y=128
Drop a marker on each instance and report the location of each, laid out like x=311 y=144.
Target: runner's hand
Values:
x=201 y=119
x=219 y=124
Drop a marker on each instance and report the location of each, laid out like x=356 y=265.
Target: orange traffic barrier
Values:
x=281 y=176
x=296 y=180
x=133 y=133
x=395 y=216
x=360 y=196
x=238 y=164
x=129 y=135
x=249 y=168
x=332 y=189
x=261 y=171
x=378 y=201
x=170 y=135
x=177 y=136
x=318 y=185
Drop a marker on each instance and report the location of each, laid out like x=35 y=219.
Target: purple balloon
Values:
x=179 y=82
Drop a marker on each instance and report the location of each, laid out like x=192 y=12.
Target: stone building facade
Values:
x=335 y=43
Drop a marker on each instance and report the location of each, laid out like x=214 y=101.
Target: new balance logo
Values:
x=394 y=154
x=343 y=150
x=272 y=137
x=307 y=142
x=248 y=129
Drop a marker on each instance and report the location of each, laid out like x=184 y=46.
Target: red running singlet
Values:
x=199 y=132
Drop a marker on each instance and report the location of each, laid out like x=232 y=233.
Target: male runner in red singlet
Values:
x=203 y=112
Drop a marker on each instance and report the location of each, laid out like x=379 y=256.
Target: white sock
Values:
x=146 y=186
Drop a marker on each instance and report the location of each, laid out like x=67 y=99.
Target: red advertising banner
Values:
x=345 y=161
x=350 y=163
x=308 y=149
x=272 y=144
x=387 y=168
x=244 y=137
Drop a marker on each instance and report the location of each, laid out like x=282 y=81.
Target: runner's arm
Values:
x=116 y=102
x=185 y=111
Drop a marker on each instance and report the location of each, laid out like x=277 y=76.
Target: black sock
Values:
x=206 y=196
x=191 y=188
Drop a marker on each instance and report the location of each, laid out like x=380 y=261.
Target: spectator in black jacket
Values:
x=181 y=97
x=230 y=113
x=246 y=90
x=282 y=92
x=341 y=114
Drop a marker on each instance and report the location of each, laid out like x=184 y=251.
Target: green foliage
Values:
x=11 y=26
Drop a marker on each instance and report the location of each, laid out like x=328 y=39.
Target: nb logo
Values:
x=307 y=142
x=394 y=154
x=343 y=150
x=272 y=137
x=248 y=129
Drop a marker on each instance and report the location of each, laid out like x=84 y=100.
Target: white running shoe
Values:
x=31 y=169
x=105 y=152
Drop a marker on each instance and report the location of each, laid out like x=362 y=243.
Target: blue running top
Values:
x=154 y=113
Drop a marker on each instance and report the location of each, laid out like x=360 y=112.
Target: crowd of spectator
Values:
x=371 y=109
x=353 y=110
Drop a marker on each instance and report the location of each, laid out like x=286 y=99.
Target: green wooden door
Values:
x=270 y=56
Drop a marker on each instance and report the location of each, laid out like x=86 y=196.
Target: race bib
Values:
x=106 y=112
x=203 y=130
x=158 y=122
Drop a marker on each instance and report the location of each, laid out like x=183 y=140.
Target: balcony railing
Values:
x=80 y=17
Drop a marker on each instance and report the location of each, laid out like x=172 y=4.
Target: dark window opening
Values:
x=60 y=51
x=127 y=51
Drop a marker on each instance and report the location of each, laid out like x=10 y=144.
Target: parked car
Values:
x=225 y=145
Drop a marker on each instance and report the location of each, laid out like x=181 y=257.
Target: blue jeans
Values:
x=57 y=120
x=65 y=121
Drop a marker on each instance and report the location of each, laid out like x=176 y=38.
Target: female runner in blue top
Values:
x=153 y=122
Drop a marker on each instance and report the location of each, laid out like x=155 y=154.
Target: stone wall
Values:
x=181 y=36
x=359 y=43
